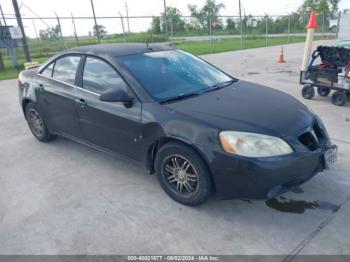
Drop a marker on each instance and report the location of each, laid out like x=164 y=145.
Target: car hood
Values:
x=249 y=107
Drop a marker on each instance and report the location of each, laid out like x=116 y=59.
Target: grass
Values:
x=218 y=46
x=41 y=50
x=11 y=73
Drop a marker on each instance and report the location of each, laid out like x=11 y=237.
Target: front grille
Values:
x=313 y=138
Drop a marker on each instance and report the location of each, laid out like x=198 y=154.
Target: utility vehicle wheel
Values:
x=322 y=91
x=308 y=92
x=339 y=98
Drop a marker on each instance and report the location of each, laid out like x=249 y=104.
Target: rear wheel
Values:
x=322 y=91
x=308 y=92
x=37 y=125
x=183 y=174
x=339 y=98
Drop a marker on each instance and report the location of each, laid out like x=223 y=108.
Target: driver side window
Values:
x=98 y=76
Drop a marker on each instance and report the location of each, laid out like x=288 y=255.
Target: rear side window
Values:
x=99 y=76
x=66 y=68
x=48 y=70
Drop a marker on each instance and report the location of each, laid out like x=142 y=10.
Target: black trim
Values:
x=46 y=66
x=79 y=73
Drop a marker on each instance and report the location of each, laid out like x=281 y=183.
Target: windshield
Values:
x=174 y=73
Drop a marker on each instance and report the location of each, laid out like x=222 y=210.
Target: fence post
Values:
x=59 y=27
x=121 y=18
x=323 y=22
x=127 y=16
x=75 y=31
x=96 y=26
x=165 y=21
x=338 y=23
x=2 y=66
x=210 y=36
x=267 y=29
x=36 y=32
x=13 y=57
x=289 y=28
x=171 y=30
x=241 y=23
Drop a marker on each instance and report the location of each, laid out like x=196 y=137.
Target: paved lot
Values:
x=65 y=198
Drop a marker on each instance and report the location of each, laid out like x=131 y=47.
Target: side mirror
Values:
x=116 y=95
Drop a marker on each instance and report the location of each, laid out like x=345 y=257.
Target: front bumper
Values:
x=262 y=178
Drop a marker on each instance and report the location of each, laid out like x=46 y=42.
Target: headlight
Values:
x=253 y=145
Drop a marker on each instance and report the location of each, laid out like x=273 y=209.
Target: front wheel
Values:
x=183 y=174
x=37 y=125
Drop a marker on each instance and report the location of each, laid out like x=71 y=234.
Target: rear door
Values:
x=58 y=95
x=110 y=125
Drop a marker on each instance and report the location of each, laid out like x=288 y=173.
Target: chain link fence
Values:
x=49 y=35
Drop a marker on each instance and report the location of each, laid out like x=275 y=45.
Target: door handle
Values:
x=41 y=88
x=81 y=101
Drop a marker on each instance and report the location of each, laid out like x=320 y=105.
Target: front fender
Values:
x=160 y=125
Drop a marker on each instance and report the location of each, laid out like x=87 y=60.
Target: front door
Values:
x=110 y=125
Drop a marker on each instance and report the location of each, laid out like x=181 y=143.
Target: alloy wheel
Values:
x=36 y=123
x=180 y=175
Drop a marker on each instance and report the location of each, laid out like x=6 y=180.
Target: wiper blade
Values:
x=223 y=84
x=219 y=86
x=179 y=97
x=186 y=95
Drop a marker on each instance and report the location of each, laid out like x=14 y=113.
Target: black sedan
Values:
x=199 y=129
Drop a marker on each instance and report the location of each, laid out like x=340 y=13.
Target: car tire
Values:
x=323 y=91
x=182 y=174
x=37 y=125
x=308 y=92
x=339 y=98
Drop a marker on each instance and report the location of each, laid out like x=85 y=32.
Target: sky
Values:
x=47 y=8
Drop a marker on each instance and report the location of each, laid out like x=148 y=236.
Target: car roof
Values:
x=119 y=49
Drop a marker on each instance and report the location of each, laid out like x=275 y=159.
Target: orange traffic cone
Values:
x=281 y=57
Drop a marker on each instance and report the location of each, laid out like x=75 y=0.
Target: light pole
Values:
x=20 y=24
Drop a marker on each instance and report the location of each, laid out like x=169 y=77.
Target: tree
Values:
x=334 y=6
x=51 y=33
x=327 y=7
x=323 y=7
x=101 y=29
x=155 y=26
x=209 y=11
x=174 y=17
x=230 y=24
x=309 y=5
